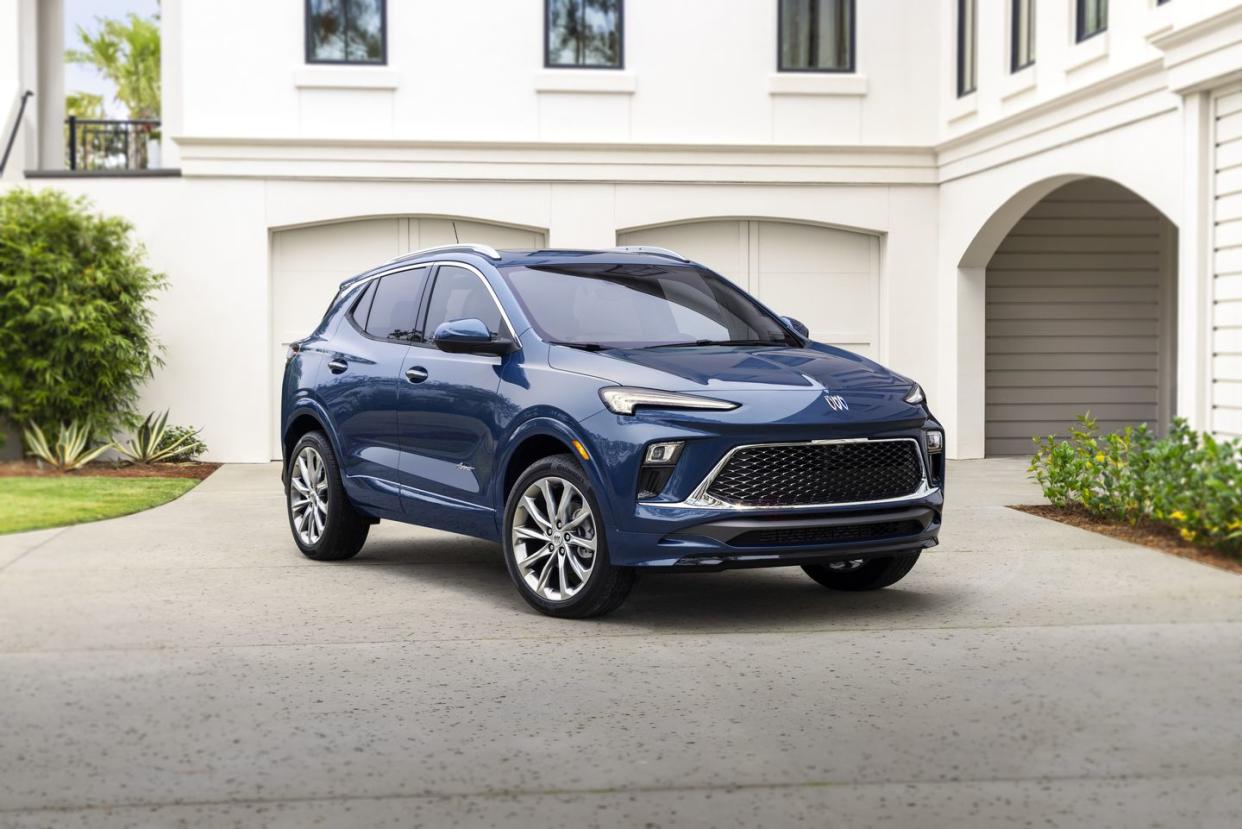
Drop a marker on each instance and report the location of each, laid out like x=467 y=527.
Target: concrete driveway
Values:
x=187 y=666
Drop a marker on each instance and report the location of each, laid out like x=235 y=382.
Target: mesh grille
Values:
x=823 y=473
x=826 y=535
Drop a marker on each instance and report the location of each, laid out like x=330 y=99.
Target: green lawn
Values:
x=38 y=502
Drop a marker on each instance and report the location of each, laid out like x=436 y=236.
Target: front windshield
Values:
x=639 y=306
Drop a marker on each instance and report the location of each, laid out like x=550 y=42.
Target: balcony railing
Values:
x=112 y=144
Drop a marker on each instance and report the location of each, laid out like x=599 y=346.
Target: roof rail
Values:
x=482 y=250
x=652 y=250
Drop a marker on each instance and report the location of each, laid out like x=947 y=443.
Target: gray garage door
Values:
x=1078 y=317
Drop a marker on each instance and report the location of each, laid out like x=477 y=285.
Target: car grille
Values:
x=777 y=475
x=826 y=535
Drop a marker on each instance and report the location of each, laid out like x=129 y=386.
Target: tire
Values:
x=870 y=575
x=341 y=531
x=552 y=582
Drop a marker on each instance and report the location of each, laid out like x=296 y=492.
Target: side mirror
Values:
x=797 y=326
x=470 y=336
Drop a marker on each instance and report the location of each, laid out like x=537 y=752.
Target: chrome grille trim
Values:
x=699 y=499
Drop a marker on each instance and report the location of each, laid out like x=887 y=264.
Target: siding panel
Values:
x=1226 y=321
x=1074 y=317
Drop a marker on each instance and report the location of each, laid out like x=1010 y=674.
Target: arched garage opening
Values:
x=1080 y=316
x=308 y=263
x=828 y=278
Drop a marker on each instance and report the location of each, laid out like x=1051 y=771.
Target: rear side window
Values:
x=363 y=306
x=460 y=294
x=395 y=305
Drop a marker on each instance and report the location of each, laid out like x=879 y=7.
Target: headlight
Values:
x=915 y=395
x=625 y=399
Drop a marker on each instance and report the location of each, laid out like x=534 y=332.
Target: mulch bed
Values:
x=110 y=469
x=1148 y=535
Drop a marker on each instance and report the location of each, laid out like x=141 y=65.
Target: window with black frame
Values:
x=967 y=47
x=584 y=34
x=346 y=31
x=816 y=36
x=1022 y=42
x=1092 y=18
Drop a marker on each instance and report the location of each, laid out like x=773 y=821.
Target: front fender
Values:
x=547 y=426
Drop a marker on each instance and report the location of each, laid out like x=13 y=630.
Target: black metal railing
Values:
x=111 y=144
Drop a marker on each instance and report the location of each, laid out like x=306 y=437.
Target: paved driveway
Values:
x=187 y=667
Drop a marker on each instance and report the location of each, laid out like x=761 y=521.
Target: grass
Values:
x=36 y=503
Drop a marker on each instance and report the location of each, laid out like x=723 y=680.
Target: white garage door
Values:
x=1079 y=317
x=828 y=279
x=308 y=264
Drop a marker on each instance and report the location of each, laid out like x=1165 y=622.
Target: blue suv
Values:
x=601 y=414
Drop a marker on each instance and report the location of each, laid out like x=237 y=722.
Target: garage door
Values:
x=309 y=263
x=828 y=279
x=1077 y=317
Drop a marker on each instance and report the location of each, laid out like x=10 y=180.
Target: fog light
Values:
x=935 y=441
x=662 y=454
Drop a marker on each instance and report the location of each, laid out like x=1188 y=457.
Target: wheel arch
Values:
x=536 y=439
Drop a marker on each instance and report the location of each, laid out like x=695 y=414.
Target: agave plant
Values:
x=71 y=451
x=152 y=443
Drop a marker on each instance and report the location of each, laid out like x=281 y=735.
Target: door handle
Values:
x=417 y=374
x=337 y=366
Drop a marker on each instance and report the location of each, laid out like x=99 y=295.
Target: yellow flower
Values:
x=1235 y=524
x=1177 y=515
x=1189 y=535
x=1099 y=457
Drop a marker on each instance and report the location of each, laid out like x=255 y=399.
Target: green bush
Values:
x=189 y=446
x=75 y=322
x=1188 y=480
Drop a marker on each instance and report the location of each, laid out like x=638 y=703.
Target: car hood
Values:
x=719 y=369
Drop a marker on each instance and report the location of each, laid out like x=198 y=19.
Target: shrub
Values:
x=1189 y=481
x=191 y=445
x=71 y=451
x=155 y=441
x=75 y=326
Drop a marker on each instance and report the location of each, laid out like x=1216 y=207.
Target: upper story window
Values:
x=816 y=36
x=583 y=34
x=967 y=47
x=1092 y=18
x=346 y=31
x=1022 y=41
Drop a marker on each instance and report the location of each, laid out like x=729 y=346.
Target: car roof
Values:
x=529 y=257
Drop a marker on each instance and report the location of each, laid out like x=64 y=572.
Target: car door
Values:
x=360 y=393
x=448 y=410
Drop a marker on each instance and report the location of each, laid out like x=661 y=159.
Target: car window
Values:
x=460 y=294
x=396 y=305
x=643 y=305
x=363 y=306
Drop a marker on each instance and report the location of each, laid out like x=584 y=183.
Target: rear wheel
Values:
x=556 y=546
x=325 y=525
x=858 y=574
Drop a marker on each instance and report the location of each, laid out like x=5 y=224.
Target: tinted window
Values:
x=583 y=33
x=817 y=35
x=363 y=306
x=460 y=294
x=638 y=305
x=345 y=31
x=1092 y=17
x=396 y=304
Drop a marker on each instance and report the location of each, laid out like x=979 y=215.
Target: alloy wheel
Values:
x=554 y=539
x=308 y=496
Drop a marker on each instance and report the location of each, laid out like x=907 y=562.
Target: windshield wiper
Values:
x=696 y=343
x=582 y=346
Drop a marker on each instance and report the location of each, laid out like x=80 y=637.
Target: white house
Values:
x=1034 y=207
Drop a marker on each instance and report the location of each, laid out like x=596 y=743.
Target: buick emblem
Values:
x=835 y=402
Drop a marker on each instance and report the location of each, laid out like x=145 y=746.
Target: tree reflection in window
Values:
x=584 y=33
x=345 y=31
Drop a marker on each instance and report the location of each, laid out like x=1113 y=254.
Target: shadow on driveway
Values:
x=782 y=597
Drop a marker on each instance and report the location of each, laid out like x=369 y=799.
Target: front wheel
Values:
x=858 y=574
x=556 y=545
